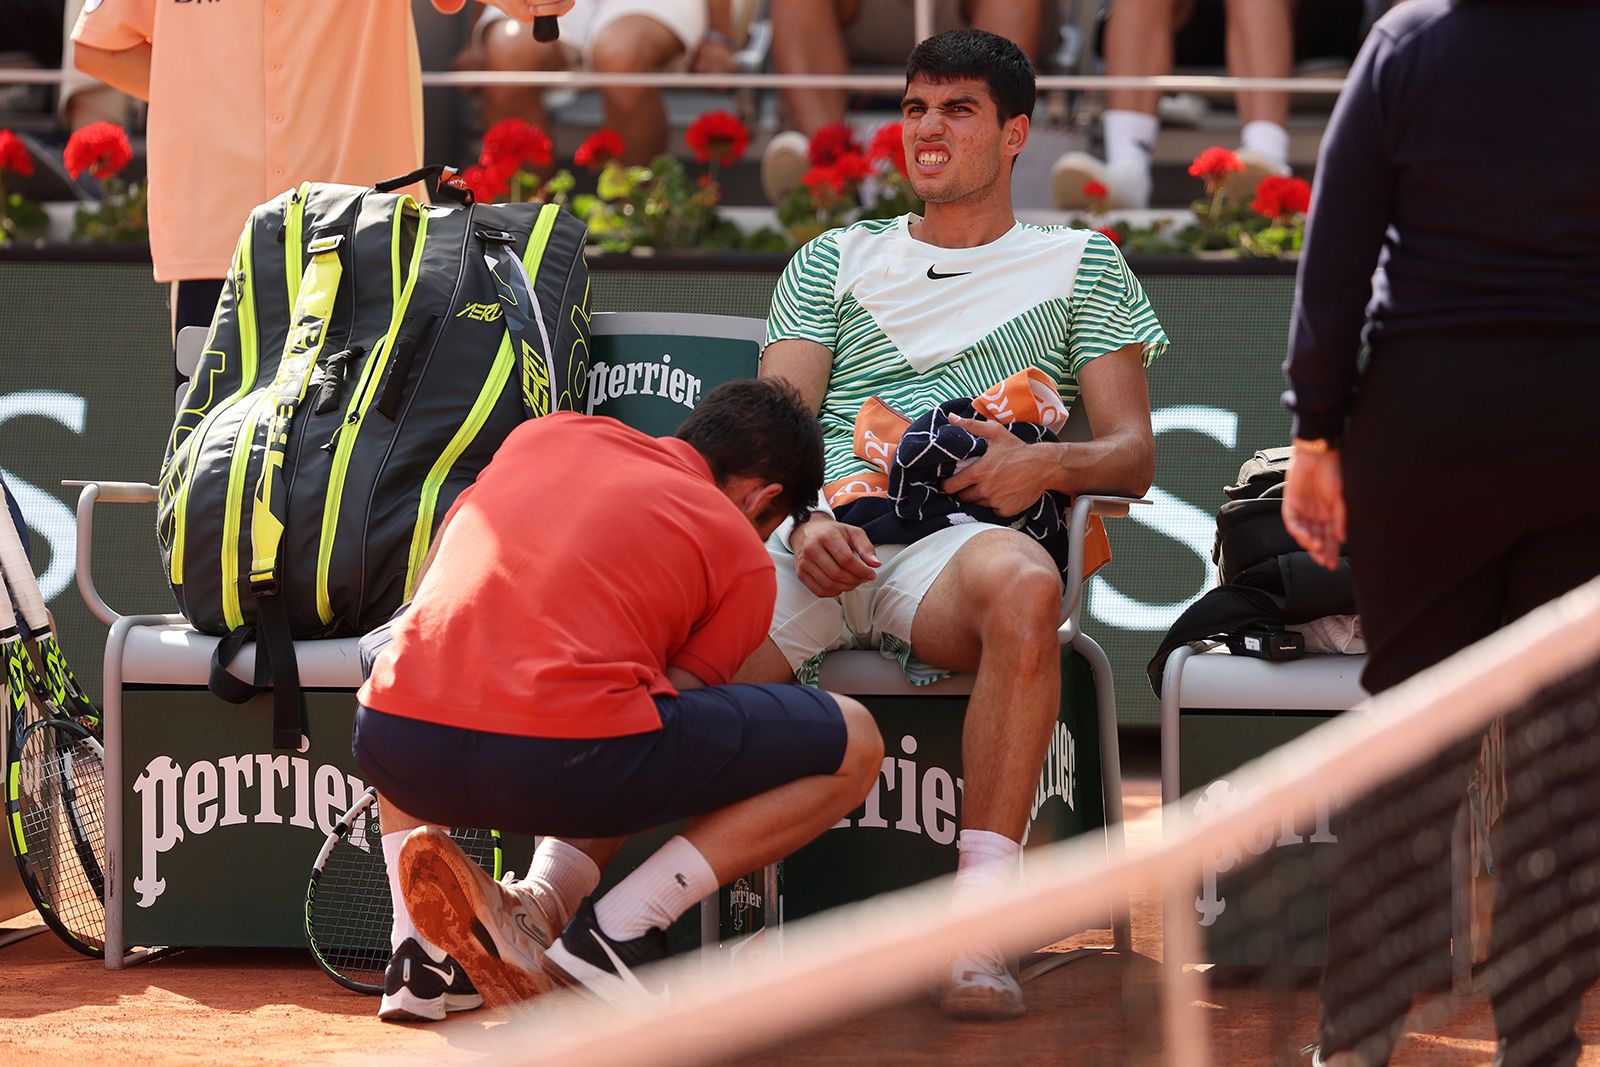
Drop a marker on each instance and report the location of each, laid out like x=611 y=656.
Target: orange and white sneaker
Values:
x=979 y=985
x=497 y=931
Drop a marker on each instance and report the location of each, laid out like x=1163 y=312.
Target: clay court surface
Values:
x=256 y=1006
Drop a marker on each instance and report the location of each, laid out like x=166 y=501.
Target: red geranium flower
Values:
x=1094 y=190
x=1278 y=197
x=1214 y=165
x=852 y=167
x=486 y=183
x=889 y=143
x=101 y=148
x=1111 y=234
x=511 y=143
x=1216 y=162
x=831 y=142
x=819 y=178
x=717 y=135
x=14 y=154
x=601 y=148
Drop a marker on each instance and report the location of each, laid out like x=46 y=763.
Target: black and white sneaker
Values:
x=416 y=989
x=584 y=956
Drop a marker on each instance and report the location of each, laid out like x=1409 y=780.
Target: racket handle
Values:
x=546 y=29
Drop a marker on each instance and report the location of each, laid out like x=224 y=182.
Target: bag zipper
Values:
x=504 y=361
x=245 y=304
x=343 y=440
x=244 y=439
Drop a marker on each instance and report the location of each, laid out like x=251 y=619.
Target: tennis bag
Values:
x=368 y=355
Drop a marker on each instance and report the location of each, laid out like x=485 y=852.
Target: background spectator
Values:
x=1139 y=41
x=347 y=110
x=613 y=37
x=825 y=36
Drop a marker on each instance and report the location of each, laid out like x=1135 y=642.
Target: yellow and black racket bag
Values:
x=368 y=354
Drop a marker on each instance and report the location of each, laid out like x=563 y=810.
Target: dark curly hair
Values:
x=761 y=428
x=982 y=56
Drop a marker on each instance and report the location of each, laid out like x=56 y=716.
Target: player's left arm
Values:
x=1121 y=460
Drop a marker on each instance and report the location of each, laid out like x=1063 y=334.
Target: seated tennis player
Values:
x=563 y=671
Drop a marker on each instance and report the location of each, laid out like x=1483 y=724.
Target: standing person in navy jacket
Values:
x=1461 y=165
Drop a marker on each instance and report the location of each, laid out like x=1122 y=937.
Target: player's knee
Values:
x=863 y=749
x=1017 y=597
x=623 y=55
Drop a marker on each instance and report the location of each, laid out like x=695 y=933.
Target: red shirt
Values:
x=587 y=558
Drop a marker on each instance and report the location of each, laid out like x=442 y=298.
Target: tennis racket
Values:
x=349 y=912
x=55 y=801
x=65 y=692
x=546 y=29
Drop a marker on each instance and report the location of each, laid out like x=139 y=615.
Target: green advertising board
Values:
x=1267 y=904
x=86 y=392
x=219 y=829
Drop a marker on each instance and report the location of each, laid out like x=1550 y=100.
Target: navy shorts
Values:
x=716 y=746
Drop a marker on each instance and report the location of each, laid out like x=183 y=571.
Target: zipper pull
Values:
x=350 y=420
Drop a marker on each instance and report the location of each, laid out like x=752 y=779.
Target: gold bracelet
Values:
x=1316 y=446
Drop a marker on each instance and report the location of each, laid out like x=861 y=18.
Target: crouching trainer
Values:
x=564 y=671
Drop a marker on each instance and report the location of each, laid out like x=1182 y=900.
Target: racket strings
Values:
x=61 y=804
x=352 y=913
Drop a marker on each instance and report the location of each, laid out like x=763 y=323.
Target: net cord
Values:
x=852 y=959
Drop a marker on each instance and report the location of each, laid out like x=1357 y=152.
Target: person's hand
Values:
x=1313 y=504
x=1010 y=475
x=714 y=56
x=832 y=557
x=528 y=10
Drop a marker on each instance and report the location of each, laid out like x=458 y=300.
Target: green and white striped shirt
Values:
x=916 y=324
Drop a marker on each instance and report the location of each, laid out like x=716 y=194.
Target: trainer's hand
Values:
x=528 y=10
x=1313 y=504
x=832 y=557
x=1009 y=477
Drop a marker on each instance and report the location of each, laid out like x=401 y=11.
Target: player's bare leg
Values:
x=995 y=609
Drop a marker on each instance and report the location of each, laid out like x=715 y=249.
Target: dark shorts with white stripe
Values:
x=716 y=746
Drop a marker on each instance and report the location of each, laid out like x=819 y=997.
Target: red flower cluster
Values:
x=101 y=148
x=889 y=144
x=14 y=154
x=831 y=142
x=1093 y=190
x=511 y=143
x=1213 y=167
x=849 y=169
x=1111 y=234
x=601 y=148
x=1278 y=197
x=718 y=135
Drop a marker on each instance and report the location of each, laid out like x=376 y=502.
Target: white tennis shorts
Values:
x=876 y=614
x=584 y=23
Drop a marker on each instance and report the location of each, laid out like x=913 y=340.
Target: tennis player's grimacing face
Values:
x=953 y=138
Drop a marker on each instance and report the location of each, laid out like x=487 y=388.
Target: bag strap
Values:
x=319 y=287
x=449 y=186
x=524 y=319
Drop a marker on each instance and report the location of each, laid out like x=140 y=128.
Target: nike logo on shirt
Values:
x=935 y=275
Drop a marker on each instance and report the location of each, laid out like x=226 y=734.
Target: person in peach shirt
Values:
x=252 y=97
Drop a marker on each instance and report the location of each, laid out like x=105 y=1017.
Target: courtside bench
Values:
x=1218 y=712
x=211 y=832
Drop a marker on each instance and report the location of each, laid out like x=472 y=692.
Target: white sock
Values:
x=987 y=862
x=1266 y=139
x=565 y=874
x=665 y=886
x=1130 y=138
x=403 y=926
